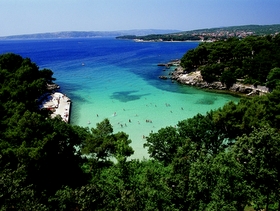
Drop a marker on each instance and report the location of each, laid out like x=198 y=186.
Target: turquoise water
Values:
x=118 y=80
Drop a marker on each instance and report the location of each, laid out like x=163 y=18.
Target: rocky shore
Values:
x=195 y=79
x=53 y=86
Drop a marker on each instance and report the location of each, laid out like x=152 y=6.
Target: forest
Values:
x=253 y=60
x=227 y=159
x=162 y=37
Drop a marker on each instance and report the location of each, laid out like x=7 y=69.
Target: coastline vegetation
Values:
x=227 y=159
x=212 y=34
x=253 y=60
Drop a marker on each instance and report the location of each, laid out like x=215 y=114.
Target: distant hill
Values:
x=256 y=29
x=211 y=34
x=161 y=35
x=89 y=34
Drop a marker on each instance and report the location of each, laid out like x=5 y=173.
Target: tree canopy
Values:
x=227 y=159
x=251 y=60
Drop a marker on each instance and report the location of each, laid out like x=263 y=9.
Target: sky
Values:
x=39 y=16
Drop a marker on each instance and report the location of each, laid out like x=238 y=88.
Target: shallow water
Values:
x=118 y=80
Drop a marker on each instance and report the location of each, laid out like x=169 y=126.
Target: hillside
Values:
x=211 y=34
x=250 y=60
x=88 y=34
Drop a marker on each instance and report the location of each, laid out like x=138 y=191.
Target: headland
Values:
x=195 y=79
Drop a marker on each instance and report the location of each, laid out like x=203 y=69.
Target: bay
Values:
x=118 y=80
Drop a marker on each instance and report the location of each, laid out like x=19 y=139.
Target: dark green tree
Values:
x=259 y=155
x=100 y=144
x=273 y=78
x=228 y=78
x=163 y=145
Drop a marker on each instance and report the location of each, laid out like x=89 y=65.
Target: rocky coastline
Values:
x=52 y=87
x=195 y=79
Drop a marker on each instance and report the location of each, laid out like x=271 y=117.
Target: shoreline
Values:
x=140 y=40
x=195 y=79
x=59 y=104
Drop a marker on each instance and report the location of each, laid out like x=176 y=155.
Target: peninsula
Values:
x=211 y=34
x=249 y=65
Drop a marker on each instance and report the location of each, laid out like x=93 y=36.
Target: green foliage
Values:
x=15 y=193
x=250 y=59
x=163 y=145
x=228 y=78
x=102 y=144
x=88 y=197
x=162 y=37
x=273 y=78
x=142 y=186
x=38 y=154
x=212 y=33
x=223 y=160
x=259 y=156
x=47 y=75
x=123 y=150
x=204 y=134
x=217 y=183
x=206 y=168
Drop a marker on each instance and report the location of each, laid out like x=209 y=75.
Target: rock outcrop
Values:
x=195 y=79
x=52 y=87
x=163 y=77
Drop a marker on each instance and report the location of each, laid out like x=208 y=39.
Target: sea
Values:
x=119 y=80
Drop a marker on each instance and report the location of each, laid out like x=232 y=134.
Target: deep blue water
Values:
x=140 y=58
